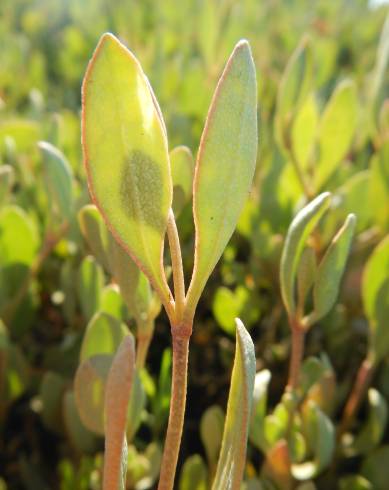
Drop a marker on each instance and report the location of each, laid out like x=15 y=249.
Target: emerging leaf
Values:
x=301 y=227
x=225 y=164
x=232 y=457
x=126 y=156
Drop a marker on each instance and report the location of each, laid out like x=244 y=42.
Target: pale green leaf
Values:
x=232 y=457
x=211 y=432
x=257 y=423
x=300 y=228
x=306 y=274
x=58 y=176
x=182 y=167
x=336 y=130
x=193 y=474
x=304 y=131
x=81 y=438
x=225 y=164
x=95 y=233
x=126 y=155
x=331 y=268
x=90 y=285
x=7 y=177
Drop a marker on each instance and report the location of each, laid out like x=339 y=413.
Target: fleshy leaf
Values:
x=225 y=164
x=331 y=268
x=103 y=335
x=95 y=233
x=7 y=176
x=194 y=474
x=232 y=459
x=256 y=433
x=374 y=275
x=301 y=227
x=90 y=284
x=182 y=166
x=81 y=438
x=58 y=176
x=126 y=155
x=211 y=431
x=117 y=397
x=336 y=130
x=306 y=273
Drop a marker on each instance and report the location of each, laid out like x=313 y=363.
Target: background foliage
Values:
x=324 y=125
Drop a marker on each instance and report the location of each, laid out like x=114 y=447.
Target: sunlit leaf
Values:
x=232 y=457
x=225 y=164
x=126 y=156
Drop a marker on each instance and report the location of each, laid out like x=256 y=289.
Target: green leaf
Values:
x=211 y=432
x=182 y=166
x=95 y=233
x=306 y=274
x=51 y=392
x=354 y=482
x=257 y=423
x=374 y=428
x=225 y=164
x=331 y=268
x=295 y=86
x=232 y=457
x=304 y=131
x=194 y=474
x=320 y=436
x=7 y=177
x=374 y=275
x=379 y=332
x=81 y=438
x=117 y=397
x=378 y=190
x=300 y=228
x=58 y=176
x=89 y=390
x=336 y=130
x=90 y=285
x=375 y=468
x=112 y=302
x=103 y=335
x=19 y=237
x=126 y=155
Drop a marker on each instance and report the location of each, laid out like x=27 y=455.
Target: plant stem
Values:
x=181 y=335
x=358 y=391
x=298 y=337
x=178 y=273
x=142 y=347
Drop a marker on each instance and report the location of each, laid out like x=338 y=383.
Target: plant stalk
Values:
x=358 y=391
x=181 y=335
x=298 y=337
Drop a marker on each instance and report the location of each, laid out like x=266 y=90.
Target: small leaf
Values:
x=112 y=302
x=378 y=186
x=232 y=457
x=225 y=164
x=306 y=274
x=95 y=233
x=103 y=335
x=126 y=156
x=182 y=166
x=301 y=227
x=378 y=324
x=90 y=284
x=320 y=436
x=211 y=431
x=7 y=177
x=277 y=465
x=58 y=175
x=89 y=390
x=51 y=392
x=194 y=474
x=304 y=131
x=82 y=439
x=375 y=468
x=374 y=275
x=117 y=397
x=354 y=482
x=336 y=130
x=331 y=268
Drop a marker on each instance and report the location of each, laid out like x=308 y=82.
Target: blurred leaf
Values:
x=23 y=132
x=232 y=457
x=51 y=392
x=378 y=191
x=117 y=397
x=331 y=269
x=182 y=167
x=103 y=335
x=306 y=274
x=82 y=440
x=277 y=466
x=374 y=275
x=193 y=474
x=7 y=177
x=122 y=124
x=375 y=468
x=225 y=164
x=112 y=302
x=95 y=233
x=304 y=131
x=89 y=390
x=90 y=285
x=354 y=482
x=336 y=130
x=320 y=436
x=58 y=176
x=301 y=227
x=256 y=432
x=211 y=431
x=379 y=332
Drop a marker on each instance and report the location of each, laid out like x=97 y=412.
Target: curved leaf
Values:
x=232 y=459
x=182 y=166
x=300 y=228
x=126 y=156
x=225 y=164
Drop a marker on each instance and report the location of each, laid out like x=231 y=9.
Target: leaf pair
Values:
x=299 y=266
x=128 y=166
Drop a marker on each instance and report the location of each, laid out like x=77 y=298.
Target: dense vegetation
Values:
x=322 y=78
